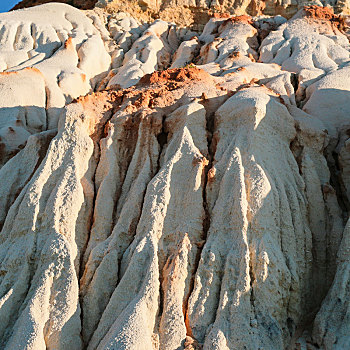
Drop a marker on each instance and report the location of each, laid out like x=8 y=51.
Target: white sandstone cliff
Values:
x=167 y=189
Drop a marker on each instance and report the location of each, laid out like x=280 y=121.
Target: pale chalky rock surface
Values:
x=168 y=189
x=49 y=55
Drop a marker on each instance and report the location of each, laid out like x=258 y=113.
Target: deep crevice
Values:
x=82 y=254
x=336 y=180
x=210 y=126
x=297 y=149
x=97 y=155
x=162 y=139
x=252 y=280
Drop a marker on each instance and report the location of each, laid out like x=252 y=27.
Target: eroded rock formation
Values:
x=197 y=13
x=169 y=189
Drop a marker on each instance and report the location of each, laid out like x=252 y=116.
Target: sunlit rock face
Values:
x=170 y=189
x=49 y=55
x=197 y=12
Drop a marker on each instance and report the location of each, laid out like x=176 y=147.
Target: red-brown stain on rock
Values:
x=239 y=19
x=175 y=75
x=324 y=13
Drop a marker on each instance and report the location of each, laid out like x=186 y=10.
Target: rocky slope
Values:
x=169 y=189
x=196 y=13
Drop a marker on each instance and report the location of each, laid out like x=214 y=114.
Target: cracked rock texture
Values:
x=165 y=188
